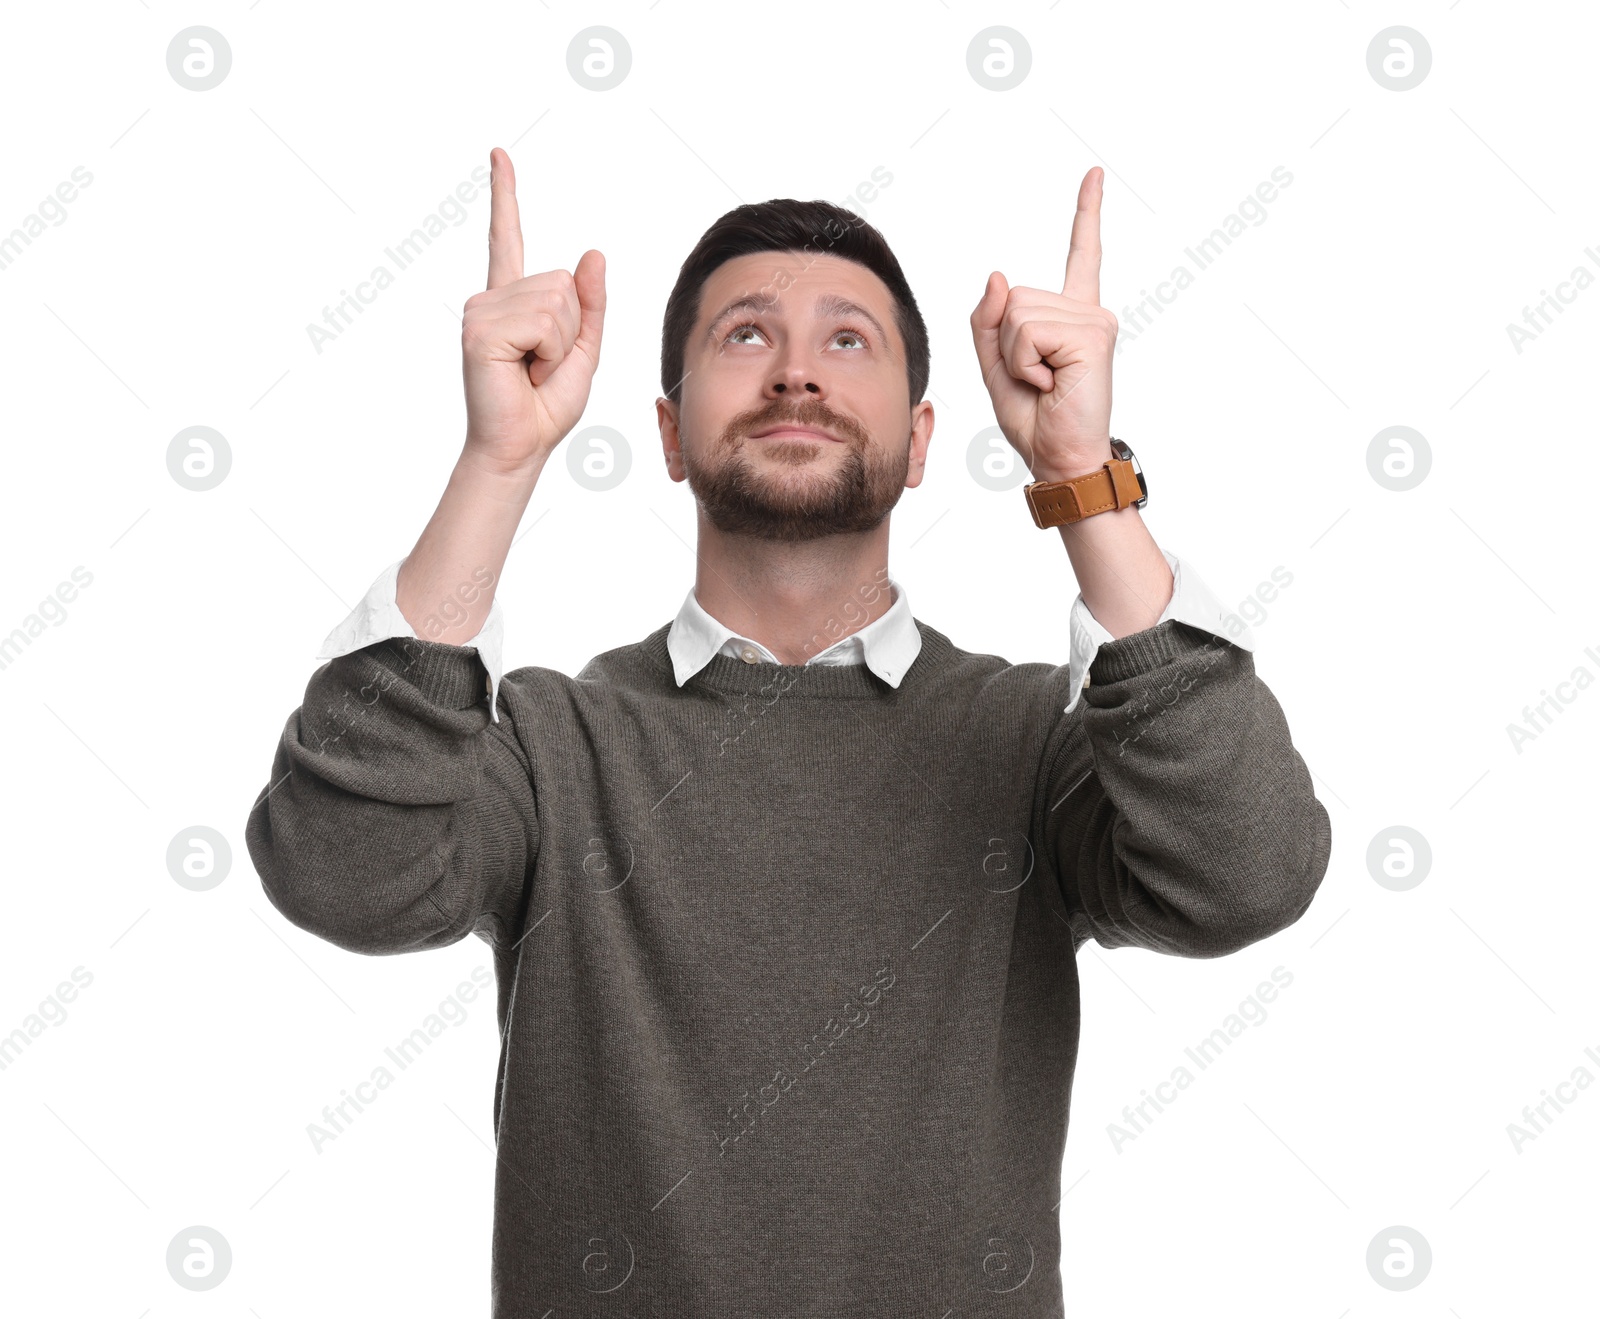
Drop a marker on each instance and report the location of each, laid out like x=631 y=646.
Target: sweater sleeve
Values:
x=1192 y=602
x=397 y=816
x=377 y=617
x=1177 y=815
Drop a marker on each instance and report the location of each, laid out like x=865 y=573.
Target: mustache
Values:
x=811 y=412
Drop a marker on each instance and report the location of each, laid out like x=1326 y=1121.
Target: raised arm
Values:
x=397 y=815
x=529 y=348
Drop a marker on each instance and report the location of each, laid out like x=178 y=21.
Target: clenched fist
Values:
x=529 y=345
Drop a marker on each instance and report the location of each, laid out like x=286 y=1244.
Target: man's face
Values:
x=800 y=340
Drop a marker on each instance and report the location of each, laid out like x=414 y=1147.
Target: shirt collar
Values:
x=887 y=645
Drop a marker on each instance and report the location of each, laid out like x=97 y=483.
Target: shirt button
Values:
x=488 y=686
x=749 y=655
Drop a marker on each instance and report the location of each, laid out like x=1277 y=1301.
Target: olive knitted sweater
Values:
x=785 y=957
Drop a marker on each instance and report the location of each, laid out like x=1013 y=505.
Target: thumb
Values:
x=986 y=323
x=589 y=276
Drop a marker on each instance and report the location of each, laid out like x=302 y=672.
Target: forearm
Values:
x=446 y=585
x=1121 y=572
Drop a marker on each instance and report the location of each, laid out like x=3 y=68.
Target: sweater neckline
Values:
x=839 y=682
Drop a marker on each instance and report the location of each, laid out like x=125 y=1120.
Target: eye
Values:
x=749 y=327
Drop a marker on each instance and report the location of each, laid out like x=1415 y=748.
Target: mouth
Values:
x=790 y=431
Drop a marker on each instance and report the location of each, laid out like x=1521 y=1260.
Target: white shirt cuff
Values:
x=1193 y=602
x=377 y=617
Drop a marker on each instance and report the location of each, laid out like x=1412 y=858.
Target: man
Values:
x=785 y=897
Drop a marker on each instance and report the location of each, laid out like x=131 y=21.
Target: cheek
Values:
x=881 y=400
x=729 y=378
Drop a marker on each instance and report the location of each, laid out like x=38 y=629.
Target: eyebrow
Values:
x=828 y=304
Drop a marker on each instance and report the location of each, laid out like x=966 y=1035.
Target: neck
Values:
x=796 y=599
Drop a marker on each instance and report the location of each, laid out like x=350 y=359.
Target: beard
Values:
x=846 y=493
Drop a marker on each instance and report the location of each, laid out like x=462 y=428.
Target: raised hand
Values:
x=529 y=345
x=1046 y=357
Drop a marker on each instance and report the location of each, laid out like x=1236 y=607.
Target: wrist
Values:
x=494 y=480
x=1068 y=467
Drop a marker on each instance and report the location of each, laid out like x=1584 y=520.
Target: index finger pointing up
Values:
x=505 y=224
x=1083 y=256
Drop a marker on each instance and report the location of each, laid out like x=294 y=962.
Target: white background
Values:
x=219 y=224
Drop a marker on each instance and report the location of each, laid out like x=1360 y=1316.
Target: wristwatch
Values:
x=1118 y=483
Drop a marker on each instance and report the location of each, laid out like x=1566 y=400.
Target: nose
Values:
x=794 y=375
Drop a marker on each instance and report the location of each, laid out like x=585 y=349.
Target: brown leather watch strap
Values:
x=1052 y=503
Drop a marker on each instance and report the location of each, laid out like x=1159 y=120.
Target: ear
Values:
x=671 y=445
x=921 y=433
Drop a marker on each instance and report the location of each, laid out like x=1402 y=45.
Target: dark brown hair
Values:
x=786 y=225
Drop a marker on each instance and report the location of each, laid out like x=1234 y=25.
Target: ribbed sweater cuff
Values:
x=1140 y=652
x=452 y=677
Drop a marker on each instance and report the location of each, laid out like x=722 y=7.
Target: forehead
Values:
x=799 y=284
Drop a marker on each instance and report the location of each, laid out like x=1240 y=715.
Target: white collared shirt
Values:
x=887 y=645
